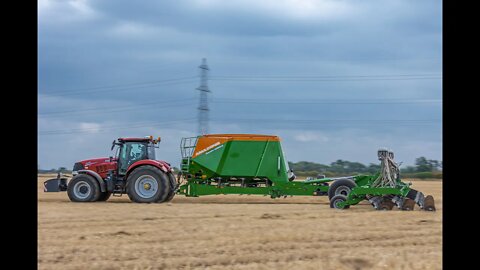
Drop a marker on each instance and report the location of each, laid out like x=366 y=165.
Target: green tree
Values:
x=373 y=168
x=435 y=164
x=423 y=165
x=409 y=169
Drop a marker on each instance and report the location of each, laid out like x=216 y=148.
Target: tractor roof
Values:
x=133 y=139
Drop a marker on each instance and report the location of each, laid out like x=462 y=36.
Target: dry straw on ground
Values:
x=236 y=232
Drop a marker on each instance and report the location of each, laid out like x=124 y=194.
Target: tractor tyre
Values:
x=341 y=186
x=104 y=196
x=147 y=184
x=83 y=188
x=173 y=182
x=336 y=199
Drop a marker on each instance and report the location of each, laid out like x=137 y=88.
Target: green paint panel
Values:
x=210 y=160
x=243 y=159
x=287 y=189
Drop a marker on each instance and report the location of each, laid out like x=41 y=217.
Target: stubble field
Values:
x=236 y=232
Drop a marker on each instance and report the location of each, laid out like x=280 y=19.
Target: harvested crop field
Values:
x=236 y=232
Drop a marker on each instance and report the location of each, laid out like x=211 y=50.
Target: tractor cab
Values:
x=131 y=150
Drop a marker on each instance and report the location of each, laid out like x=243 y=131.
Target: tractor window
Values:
x=137 y=151
x=117 y=151
x=130 y=153
x=123 y=152
x=151 y=151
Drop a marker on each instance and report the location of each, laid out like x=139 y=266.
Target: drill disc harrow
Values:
x=408 y=204
x=429 y=203
x=386 y=205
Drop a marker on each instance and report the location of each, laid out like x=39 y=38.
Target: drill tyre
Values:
x=340 y=187
x=336 y=199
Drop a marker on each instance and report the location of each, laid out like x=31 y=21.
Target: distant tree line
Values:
x=423 y=168
x=61 y=169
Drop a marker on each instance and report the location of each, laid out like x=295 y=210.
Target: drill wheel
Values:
x=429 y=203
x=408 y=204
x=337 y=199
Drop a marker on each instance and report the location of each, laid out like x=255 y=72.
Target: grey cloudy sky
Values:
x=334 y=79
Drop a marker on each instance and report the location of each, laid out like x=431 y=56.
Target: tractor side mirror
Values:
x=111 y=158
x=113 y=145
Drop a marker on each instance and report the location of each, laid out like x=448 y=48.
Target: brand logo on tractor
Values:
x=208 y=148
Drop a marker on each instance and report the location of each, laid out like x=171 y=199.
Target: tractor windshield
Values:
x=130 y=153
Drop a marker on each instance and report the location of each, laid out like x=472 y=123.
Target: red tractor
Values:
x=134 y=171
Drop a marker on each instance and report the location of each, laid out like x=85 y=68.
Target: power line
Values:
x=145 y=84
x=172 y=103
x=320 y=80
x=327 y=101
x=315 y=123
x=264 y=120
x=324 y=76
x=123 y=108
x=120 y=85
x=113 y=127
x=60 y=116
x=123 y=88
x=233 y=120
x=123 y=125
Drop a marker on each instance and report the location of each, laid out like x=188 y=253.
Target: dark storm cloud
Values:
x=84 y=44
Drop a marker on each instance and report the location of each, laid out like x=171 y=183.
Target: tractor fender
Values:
x=101 y=182
x=162 y=165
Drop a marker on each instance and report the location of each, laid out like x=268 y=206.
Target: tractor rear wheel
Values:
x=338 y=199
x=83 y=188
x=147 y=184
x=340 y=187
x=104 y=196
x=173 y=182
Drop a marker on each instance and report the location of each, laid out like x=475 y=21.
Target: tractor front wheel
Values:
x=147 y=184
x=83 y=188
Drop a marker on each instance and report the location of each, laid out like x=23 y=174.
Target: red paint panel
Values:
x=162 y=165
